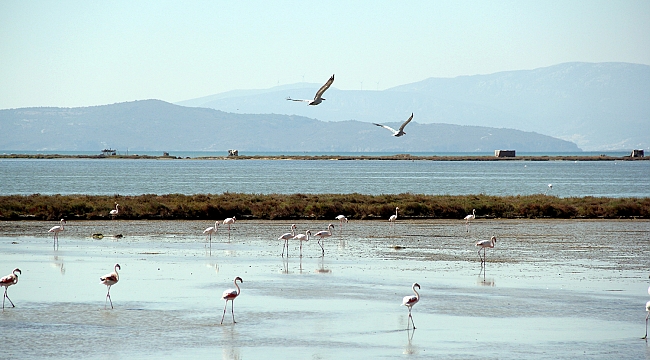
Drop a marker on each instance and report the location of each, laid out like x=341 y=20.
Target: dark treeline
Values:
x=322 y=206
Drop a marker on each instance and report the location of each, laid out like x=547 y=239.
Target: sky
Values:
x=86 y=53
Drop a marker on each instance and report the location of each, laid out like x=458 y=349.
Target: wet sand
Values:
x=550 y=289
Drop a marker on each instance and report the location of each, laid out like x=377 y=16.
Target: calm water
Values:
x=191 y=176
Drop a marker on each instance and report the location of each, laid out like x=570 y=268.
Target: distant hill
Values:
x=598 y=106
x=153 y=125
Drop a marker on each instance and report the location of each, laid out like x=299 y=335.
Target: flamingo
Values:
x=483 y=244
x=211 y=230
x=56 y=230
x=115 y=211
x=301 y=238
x=469 y=218
x=7 y=281
x=393 y=218
x=110 y=280
x=409 y=301
x=647 y=308
x=286 y=237
x=341 y=219
x=231 y=294
x=318 y=97
x=550 y=187
x=400 y=132
x=229 y=221
x=324 y=234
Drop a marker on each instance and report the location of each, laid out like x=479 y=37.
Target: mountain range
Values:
x=154 y=125
x=598 y=106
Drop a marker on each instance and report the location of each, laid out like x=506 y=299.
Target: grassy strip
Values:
x=321 y=206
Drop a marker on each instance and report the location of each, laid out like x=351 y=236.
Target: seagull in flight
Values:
x=400 y=132
x=318 y=98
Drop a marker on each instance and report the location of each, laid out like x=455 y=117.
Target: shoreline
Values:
x=337 y=157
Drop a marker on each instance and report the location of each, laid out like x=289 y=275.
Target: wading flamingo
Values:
x=647 y=308
x=469 y=218
x=301 y=238
x=393 y=218
x=211 y=230
x=110 y=280
x=7 y=281
x=484 y=244
x=409 y=301
x=56 y=230
x=231 y=294
x=318 y=98
x=324 y=234
x=400 y=132
x=115 y=211
x=341 y=219
x=229 y=221
x=286 y=237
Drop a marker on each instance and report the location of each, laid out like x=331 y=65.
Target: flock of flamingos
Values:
x=231 y=294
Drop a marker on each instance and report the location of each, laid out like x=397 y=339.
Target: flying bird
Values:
x=230 y=295
x=400 y=132
x=484 y=244
x=318 y=97
x=7 y=281
x=409 y=301
x=110 y=280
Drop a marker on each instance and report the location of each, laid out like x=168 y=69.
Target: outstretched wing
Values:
x=401 y=128
x=288 y=98
x=323 y=88
x=387 y=128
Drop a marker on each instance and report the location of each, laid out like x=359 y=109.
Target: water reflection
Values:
x=410 y=349
x=58 y=263
x=214 y=266
x=231 y=336
x=322 y=269
x=482 y=280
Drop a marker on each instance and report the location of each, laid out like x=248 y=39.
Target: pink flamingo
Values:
x=230 y=295
x=56 y=230
x=484 y=244
x=341 y=219
x=393 y=218
x=409 y=301
x=110 y=280
x=469 y=218
x=324 y=234
x=7 y=281
x=301 y=238
x=229 y=221
x=211 y=230
x=115 y=211
x=286 y=237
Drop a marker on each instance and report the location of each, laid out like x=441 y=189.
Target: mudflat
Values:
x=548 y=289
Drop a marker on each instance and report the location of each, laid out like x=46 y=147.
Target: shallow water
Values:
x=550 y=289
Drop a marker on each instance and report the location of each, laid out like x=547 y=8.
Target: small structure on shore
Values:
x=109 y=152
x=637 y=153
x=233 y=152
x=504 y=153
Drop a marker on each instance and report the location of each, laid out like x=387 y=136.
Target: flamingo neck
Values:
x=417 y=295
x=237 y=286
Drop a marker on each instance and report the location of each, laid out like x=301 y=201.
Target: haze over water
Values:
x=189 y=176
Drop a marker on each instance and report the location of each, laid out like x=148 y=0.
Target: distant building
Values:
x=504 y=153
x=233 y=152
x=109 y=152
x=637 y=153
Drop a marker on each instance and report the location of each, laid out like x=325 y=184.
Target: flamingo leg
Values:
x=108 y=297
x=3 y=300
x=232 y=310
x=300 y=248
x=224 y=311
x=321 y=247
x=646 y=327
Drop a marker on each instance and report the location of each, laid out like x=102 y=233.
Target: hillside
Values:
x=601 y=106
x=157 y=125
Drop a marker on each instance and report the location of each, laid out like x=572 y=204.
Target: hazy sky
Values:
x=81 y=53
